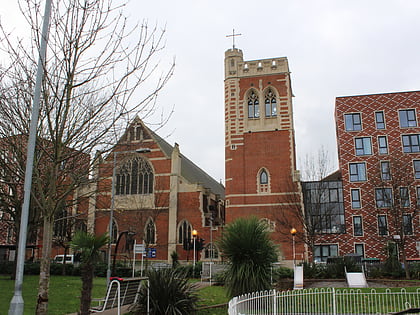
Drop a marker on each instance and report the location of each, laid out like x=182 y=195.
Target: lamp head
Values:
x=293 y=231
x=194 y=233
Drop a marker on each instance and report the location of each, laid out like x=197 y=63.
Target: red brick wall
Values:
x=367 y=105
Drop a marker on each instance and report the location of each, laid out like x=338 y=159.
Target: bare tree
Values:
x=95 y=67
x=315 y=208
x=394 y=183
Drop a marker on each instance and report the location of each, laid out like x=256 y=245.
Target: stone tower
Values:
x=259 y=142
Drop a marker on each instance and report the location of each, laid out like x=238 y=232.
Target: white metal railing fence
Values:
x=325 y=301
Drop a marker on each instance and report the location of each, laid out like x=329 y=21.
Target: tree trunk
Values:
x=87 y=284
x=44 y=273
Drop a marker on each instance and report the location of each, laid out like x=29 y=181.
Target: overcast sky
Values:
x=334 y=47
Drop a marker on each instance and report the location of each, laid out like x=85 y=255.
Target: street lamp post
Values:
x=194 y=235
x=17 y=304
x=293 y=232
x=111 y=213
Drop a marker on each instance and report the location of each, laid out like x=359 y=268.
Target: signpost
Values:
x=138 y=249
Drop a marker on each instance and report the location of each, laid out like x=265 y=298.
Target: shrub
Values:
x=315 y=271
x=170 y=293
x=282 y=273
x=247 y=245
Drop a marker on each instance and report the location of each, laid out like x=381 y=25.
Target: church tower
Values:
x=261 y=176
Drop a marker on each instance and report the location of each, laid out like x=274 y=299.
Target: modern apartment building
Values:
x=378 y=138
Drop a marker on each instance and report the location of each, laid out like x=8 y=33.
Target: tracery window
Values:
x=134 y=177
x=253 y=105
x=150 y=232
x=184 y=232
x=270 y=104
x=60 y=223
x=211 y=251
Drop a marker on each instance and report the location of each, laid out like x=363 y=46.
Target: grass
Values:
x=214 y=295
x=65 y=294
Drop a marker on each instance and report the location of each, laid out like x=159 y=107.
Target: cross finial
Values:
x=233 y=37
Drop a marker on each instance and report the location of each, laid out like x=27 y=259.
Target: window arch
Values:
x=270 y=103
x=263 y=181
x=253 y=105
x=270 y=225
x=150 y=232
x=134 y=177
x=211 y=251
x=263 y=177
x=184 y=232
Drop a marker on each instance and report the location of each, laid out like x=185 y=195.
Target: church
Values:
x=156 y=196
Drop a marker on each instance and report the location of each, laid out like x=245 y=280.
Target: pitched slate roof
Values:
x=189 y=170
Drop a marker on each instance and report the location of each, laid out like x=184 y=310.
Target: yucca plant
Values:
x=170 y=294
x=247 y=245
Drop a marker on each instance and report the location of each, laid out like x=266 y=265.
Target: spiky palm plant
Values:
x=247 y=245
x=170 y=294
x=88 y=245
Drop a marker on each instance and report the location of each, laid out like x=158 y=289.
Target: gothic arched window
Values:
x=263 y=177
x=253 y=105
x=211 y=251
x=184 y=232
x=114 y=231
x=270 y=104
x=263 y=181
x=134 y=177
x=150 y=232
x=60 y=223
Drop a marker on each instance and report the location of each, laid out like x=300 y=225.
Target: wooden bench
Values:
x=121 y=292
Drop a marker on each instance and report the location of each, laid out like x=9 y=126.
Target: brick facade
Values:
x=377 y=137
x=259 y=141
x=181 y=192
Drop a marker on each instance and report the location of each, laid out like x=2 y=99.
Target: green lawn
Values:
x=65 y=293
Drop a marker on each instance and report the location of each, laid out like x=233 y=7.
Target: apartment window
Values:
x=363 y=146
x=322 y=252
x=382 y=145
x=357 y=172
x=408 y=118
x=382 y=225
x=359 y=249
x=380 y=120
x=355 y=199
x=416 y=164
x=333 y=194
x=383 y=197
x=407 y=224
x=418 y=195
x=385 y=170
x=357 y=226
x=404 y=197
x=253 y=105
x=411 y=143
x=353 y=122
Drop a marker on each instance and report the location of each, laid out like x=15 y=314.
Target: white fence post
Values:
x=274 y=302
